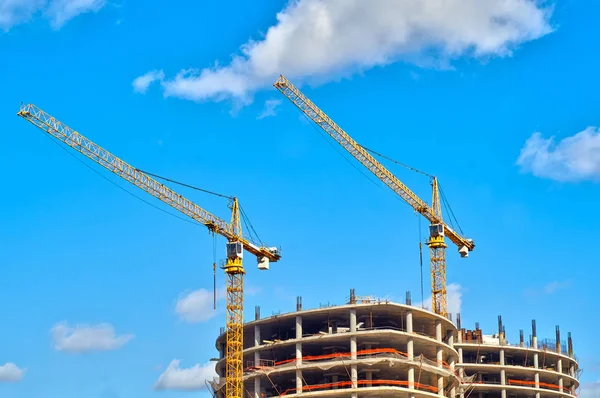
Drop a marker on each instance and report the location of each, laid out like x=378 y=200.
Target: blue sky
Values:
x=102 y=292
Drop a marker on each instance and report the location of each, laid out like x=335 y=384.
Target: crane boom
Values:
x=234 y=382
x=72 y=138
x=356 y=150
x=438 y=228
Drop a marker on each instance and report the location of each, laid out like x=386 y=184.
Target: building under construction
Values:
x=378 y=348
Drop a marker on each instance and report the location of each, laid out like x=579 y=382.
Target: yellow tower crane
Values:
x=236 y=243
x=437 y=229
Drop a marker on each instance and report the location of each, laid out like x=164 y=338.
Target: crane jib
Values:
x=356 y=150
x=75 y=140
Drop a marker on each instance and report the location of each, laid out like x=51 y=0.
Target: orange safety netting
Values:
x=532 y=383
x=359 y=353
x=368 y=383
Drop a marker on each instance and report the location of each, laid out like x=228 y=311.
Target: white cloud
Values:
x=198 y=305
x=141 y=84
x=326 y=39
x=270 y=108
x=190 y=379
x=548 y=288
x=61 y=11
x=590 y=390
x=554 y=286
x=15 y=12
x=453 y=299
x=86 y=338
x=574 y=158
x=9 y=372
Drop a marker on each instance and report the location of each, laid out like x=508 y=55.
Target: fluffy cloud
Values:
x=198 y=305
x=190 y=379
x=142 y=83
x=270 y=108
x=453 y=297
x=86 y=338
x=9 y=372
x=326 y=39
x=590 y=390
x=574 y=158
x=60 y=11
x=15 y=12
x=549 y=288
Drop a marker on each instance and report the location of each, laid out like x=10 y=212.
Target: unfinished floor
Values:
x=378 y=348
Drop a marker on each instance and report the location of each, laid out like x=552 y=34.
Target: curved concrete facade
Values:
x=368 y=348
x=498 y=369
x=373 y=348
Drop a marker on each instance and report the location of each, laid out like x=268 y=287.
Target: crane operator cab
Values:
x=235 y=250
x=436 y=230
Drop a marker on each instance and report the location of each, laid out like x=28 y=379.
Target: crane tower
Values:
x=438 y=229
x=236 y=243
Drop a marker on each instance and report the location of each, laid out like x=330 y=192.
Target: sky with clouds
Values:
x=108 y=297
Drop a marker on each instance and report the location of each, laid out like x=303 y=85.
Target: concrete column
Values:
x=410 y=349
x=440 y=355
x=451 y=361
x=353 y=370
x=560 y=370
x=298 y=354
x=334 y=379
x=536 y=362
x=369 y=377
x=461 y=371
x=257 y=342
x=502 y=373
x=572 y=370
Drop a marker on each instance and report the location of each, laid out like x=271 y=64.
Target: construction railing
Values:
x=370 y=353
x=361 y=383
x=548 y=386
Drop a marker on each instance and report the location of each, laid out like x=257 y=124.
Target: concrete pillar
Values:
x=438 y=330
x=461 y=371
x=369 y=377
x=536 y=363
x=410 y=349
x=572 y=370
x=559 y=361
x=451 y=360
x=559 y=368
x=257 y=342
x=440 y=355
x=298 y=354
x=502 y=373
x=334 y=379
x=438 y=337
x=353 y=370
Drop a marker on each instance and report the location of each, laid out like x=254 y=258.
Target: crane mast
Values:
x=232 y=231
x=438 y=229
